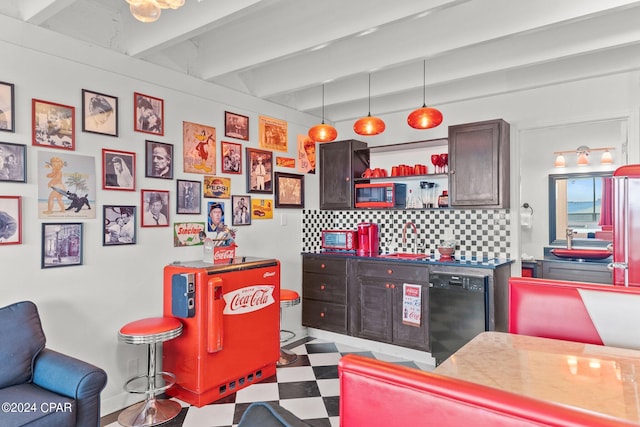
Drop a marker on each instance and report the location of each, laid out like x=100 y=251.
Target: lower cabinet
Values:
x=593 y=272
x=376 y=313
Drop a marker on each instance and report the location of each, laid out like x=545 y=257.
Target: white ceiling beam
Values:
x=38 y=11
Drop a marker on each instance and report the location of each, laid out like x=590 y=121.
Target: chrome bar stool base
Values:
x=149 y=412
x=288 y=298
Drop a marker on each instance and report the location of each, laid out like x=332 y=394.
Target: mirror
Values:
x=580 y=202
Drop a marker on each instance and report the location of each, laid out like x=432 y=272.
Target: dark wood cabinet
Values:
x=324 y=293
x=338 y=166
x=479 y=165
x=376 y=303
x=594 y=272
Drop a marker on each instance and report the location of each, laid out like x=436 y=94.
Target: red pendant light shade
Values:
x=323 y=132
x=370 y=125
x=425 y=117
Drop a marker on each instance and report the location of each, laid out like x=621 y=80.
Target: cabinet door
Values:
x=409 y=334
x=337 y=169
x=324 y=315
x=479 y=164
x=372 y=311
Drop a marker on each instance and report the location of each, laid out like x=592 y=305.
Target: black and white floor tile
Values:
x=309 y=388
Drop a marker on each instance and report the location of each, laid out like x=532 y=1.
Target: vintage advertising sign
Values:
x=217 y=187
x=261 y=208
x=411 y=304
x=188 y=233
x=248 y=299
x=286 y=162
x=272 y=134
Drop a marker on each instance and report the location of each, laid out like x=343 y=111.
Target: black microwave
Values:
x=381 y=195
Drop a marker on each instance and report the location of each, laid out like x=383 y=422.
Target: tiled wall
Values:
x=478 y=233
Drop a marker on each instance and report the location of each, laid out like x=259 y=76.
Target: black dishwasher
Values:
x=457 y=311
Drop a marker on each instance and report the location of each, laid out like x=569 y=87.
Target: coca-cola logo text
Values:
x=248 y=299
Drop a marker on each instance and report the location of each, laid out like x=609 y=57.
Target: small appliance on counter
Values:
x=340 y=240
x=380 y=195
x=367 y=239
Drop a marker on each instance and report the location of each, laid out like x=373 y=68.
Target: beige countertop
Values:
x=597 y=378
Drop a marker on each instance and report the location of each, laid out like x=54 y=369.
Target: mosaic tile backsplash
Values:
x=479 y=233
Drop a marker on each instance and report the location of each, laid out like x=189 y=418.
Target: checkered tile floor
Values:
x=308 y=388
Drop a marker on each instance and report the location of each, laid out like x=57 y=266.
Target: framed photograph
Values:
x=289 y=190
x=231 y=157
x=216 y=187
x=148 y=114
x=119 y=225
x=241 y=210
x=118 y=170
x=61 y=244
x=189 y=197
x=99 y=113
x=158 y=160
x=199 y=148
x=7 y=107
x=236 y=126
x=216 y=220
x=53 y=125
x=155 y=208
x=10 y=220
x=13 y=162
x=272 y=134
x=259 y=171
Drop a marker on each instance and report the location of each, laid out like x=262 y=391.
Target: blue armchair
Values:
x=38 y=386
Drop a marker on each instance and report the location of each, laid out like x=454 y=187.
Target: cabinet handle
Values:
x=322 y=287
x=322 y=265
x=386 y=285
x=389 y=271
x=393 y=286
x=322 y=314
x=348 y=179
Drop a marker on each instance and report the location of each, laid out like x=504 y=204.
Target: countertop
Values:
x=491 y=263
x=592 y=377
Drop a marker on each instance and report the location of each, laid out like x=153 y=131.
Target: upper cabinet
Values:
x=338 y=165
x=479 y=165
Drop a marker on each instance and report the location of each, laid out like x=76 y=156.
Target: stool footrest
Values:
x=140 y=384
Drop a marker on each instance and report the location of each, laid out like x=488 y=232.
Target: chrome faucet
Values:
x=404 y=236
x=570 y=233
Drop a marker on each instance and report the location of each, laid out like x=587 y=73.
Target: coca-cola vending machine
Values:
x=230 y=338
x=626 y=226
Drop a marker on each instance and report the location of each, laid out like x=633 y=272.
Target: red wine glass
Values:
x=435 y=160
x=444 y=159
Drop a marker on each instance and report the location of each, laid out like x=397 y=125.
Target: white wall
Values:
x=83 y=307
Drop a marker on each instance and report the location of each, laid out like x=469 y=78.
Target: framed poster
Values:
x=261 y=208
x=13 y=162
x=241 y=210
x=99 y=113
x=118 y=170
x=259 y=171
x=61 y=244
x=189 y=196
x=289 y=190
x=7 y=107
x=53 y=125
x=148 y=114
x=119 y=225
x=306 y=154
x=231 y=157
x=188 y=234
x=158 y=160
x=199 y=148
x=236 y=126
x=10 y=220
x=216 y=187
x=272 y=134
x=155 y=208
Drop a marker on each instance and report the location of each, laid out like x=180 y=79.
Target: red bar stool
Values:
x=288 y=298
x=151 y=411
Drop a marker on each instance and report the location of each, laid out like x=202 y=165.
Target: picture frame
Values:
x=189 y=197
x=99 y=113
x=189 y=234
x=231 y=154
x=155 y=208
x=241 y=206
x=259 y=171
x=118 y=170
x=215 y=219
x=198 y=148
x=158 y=160
x=13 y=162
x=119 y=225
x=62 y=244
x=11 y=220
x=272 y=134
x=7 y=107
x=261 y=208
x=148 y=114
x=236 y=126
x=53 y=125
x=289 y=190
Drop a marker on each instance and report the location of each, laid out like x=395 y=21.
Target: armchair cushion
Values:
x=22 y=341
x=269 y=414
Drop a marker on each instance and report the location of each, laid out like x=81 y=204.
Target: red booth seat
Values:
x=374 y=393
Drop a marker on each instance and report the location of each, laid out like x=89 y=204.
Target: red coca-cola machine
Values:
x=626 y=226
x=230 y=338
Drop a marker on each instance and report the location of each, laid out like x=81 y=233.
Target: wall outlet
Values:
x=283 y=219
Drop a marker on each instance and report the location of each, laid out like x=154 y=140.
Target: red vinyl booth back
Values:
x=374 y=393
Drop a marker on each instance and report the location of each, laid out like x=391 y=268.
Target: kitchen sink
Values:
x=581 y=253
x=402 y=255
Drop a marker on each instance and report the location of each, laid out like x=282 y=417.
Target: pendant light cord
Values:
x=323 y=103
x=369 y=93
x=424 y=84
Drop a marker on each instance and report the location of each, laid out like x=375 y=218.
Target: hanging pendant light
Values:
x=370 y=125
x=150 y=10
x=425 y=117
x=323 y=132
